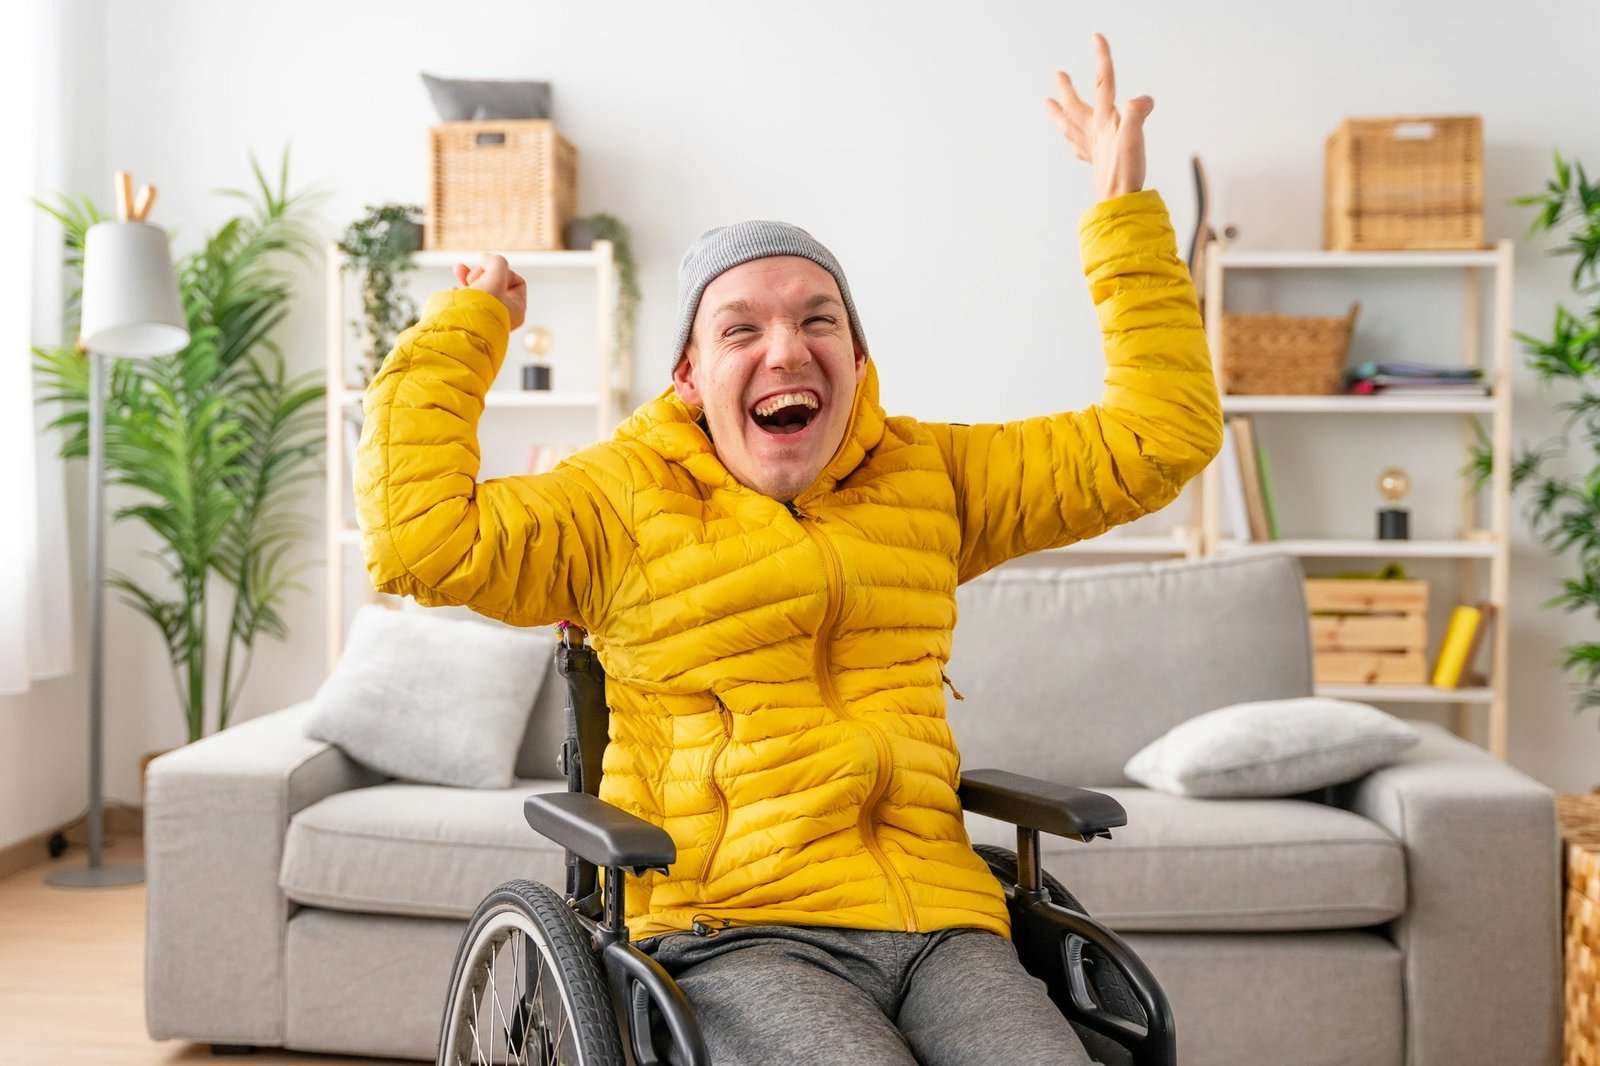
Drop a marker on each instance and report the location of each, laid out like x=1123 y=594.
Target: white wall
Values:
x=915 y=146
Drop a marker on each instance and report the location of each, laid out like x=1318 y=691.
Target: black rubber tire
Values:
x=577 y=1013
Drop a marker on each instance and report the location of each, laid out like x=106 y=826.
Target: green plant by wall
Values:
x=213 y=441
x=379 y=246
x=1564 y=511
x=611 y=228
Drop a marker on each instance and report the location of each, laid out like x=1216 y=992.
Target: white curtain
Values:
x=35 y=575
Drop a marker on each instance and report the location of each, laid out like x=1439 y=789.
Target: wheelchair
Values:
x=544 y=978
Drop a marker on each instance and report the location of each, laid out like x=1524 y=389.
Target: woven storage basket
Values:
x=1580 y=834
x=509 y=186
x=1284 y=355
x=1404 y=184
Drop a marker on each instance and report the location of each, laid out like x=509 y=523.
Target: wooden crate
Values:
x=1368 y=632
x=1404 y=184
x=499 y=186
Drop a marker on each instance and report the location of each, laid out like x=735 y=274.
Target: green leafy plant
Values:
x=611 y=228
x=213 y=440
x=1564 y=511
x=379 y=246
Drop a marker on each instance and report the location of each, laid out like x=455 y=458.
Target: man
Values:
x=767 y=564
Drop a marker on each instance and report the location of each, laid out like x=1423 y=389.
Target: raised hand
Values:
x=495 y=277
x=1111 y=140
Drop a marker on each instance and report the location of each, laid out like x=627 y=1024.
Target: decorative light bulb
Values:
x=1394 y=483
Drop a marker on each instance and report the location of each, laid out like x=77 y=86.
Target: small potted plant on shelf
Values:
x=379 y=246
x=1564 y=511
x=583 y=232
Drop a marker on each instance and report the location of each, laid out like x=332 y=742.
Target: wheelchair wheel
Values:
x=527 y=987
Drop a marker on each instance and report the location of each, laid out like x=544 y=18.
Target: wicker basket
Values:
x=1404 y=183
x=1284 y=355
x=509 y=186
x=1580 y=833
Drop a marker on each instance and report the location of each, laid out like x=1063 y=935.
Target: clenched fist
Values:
x=495 y=277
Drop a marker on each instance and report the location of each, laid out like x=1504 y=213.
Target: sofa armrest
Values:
x=216 y=813
x=1481 y=933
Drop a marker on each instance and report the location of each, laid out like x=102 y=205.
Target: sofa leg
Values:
x=233 y=1049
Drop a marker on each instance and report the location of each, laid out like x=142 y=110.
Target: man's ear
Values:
x=683 y=378
x=861 y=360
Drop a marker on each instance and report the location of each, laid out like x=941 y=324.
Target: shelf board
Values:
x=582 y=260
x=1405 y=694
x=1366 y=405
x=1114 y=545
x=507 y=398
x=1240 y=258
x=1366 y=549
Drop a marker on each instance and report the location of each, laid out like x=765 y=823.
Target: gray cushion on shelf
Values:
x=1271 y=748
x=461 y=100
x=431 y=699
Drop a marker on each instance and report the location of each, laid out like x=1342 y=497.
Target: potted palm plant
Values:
x=212 y=441
x=1561 y=478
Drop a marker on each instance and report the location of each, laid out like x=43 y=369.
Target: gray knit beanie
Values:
x=725 y=247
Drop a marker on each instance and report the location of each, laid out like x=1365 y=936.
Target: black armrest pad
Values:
x=598 y=832
x=1034 y=804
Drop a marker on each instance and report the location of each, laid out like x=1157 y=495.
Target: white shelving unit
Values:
x=1478 y=546
x=607 y=396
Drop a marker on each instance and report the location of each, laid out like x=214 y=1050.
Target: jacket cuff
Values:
x=472 y=300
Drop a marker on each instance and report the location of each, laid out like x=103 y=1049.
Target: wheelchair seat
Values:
x=546 y=977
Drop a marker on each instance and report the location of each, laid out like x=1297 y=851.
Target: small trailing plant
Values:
x=1564 y=510
x=611 y=228
x=379 y=246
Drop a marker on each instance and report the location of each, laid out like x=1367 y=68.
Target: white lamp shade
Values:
x=130 y=295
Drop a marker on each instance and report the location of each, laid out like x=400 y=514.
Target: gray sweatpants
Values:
x=805 y=996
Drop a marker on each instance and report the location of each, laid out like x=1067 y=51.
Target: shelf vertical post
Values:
x=1500 y=503
x=333 y=543
x=1210 y=532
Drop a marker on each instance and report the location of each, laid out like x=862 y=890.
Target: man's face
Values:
x=771 y=362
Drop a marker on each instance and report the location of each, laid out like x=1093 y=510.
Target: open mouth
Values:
x=785 y=414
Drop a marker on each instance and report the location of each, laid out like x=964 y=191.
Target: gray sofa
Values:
x=1411 y=917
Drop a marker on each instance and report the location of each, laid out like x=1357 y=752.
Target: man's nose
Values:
x=786 y=349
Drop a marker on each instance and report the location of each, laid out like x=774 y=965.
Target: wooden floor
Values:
x=72 y=977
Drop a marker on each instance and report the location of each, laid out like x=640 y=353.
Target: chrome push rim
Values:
x=513 y=1009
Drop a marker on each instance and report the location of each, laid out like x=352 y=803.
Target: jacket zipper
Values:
x=830 y=696
x=722 y=797
x=952 y=686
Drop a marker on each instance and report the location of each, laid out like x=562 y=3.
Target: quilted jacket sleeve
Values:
x=1048 y=481
x=526 y=550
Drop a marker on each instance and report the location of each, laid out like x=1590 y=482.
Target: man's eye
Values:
x=731 y=330
x=821 y=318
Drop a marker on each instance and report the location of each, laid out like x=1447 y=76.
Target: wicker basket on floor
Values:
x=1285 y=355
x=1580 y=834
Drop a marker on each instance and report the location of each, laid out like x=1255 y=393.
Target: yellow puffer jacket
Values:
x=775 y=671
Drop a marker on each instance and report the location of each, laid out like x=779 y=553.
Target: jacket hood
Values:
x=673 y=429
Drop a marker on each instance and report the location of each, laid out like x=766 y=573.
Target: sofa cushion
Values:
x=1213 y=865
x=1067 y=671
x=428 y=698
x=422 y=850
x=1271 y=748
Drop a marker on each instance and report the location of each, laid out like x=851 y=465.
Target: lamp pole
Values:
x=131 y=308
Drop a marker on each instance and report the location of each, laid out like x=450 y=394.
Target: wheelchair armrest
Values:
x=1034 y=804
x=598 y=832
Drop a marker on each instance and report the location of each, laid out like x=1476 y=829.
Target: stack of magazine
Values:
x=1415 y=379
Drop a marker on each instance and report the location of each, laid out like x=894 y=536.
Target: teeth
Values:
x=788 y=399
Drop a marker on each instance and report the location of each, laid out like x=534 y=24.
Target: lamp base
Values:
x=97 y=876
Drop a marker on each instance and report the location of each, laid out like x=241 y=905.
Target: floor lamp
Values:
x=131 y=309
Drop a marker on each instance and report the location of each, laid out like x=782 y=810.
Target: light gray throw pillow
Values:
x=430 y=699
x=1271 y=748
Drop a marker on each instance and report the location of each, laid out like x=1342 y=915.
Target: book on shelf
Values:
x=1414 y=379
x=1463 y=636
x=1235 y=515
x=1246 y=455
